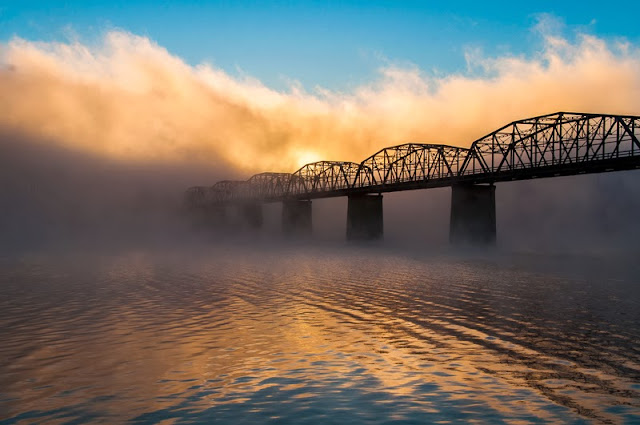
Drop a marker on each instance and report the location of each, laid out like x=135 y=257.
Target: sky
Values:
x=270 y=86
x=336 y=45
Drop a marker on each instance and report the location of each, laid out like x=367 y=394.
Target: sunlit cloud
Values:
x=129 y=98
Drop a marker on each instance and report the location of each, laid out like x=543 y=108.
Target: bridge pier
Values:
x=251 y=214
x=198 y=217
x=364 y=217
x=216 y=215
x=473 y=215
x=297 y=218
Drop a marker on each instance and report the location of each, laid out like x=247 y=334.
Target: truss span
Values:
x=266 y=186
x=562 y=143
x=325 y=176
x=227 y=191
x=412 y=162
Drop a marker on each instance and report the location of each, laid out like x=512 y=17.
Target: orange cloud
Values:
x=129 y=98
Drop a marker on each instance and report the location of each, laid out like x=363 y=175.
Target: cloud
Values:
x=128 y=98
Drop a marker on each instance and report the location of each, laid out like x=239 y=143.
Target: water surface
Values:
x=333 y=334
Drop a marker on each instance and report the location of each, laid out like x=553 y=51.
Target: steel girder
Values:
x=547 y=145
x=555 y=140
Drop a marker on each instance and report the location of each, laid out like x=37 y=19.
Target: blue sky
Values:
x=336 y=45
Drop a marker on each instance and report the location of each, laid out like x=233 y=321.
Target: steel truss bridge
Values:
x=558 y=144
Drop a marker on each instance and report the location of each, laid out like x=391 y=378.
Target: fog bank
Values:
x=98 y=142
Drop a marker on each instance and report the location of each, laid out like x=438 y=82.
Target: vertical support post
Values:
x=473 y=215
x=297 y=219
x=364 y=217
x=252 y=214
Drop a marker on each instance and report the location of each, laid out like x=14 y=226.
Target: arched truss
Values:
x=268 y=185
x=413 y=162
x=558 y=140
x=325 y=176
x=226 y=190
x=560 y=143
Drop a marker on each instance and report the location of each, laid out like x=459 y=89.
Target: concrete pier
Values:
x=297 y=218
x=473 y=215
x=216 y=215
x=364 y=217
x=251 y=214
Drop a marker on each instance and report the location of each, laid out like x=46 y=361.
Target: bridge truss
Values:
x=562 y=143
x=549 y=145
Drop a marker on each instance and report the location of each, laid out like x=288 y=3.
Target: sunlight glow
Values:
x=304 y=157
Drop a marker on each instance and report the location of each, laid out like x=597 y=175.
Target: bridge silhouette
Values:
x=558 y=144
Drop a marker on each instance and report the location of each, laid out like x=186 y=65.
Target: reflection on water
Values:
x=319 y=335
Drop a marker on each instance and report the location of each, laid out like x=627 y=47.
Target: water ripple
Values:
x=316 y=336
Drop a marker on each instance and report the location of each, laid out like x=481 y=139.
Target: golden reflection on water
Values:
x=312 y=336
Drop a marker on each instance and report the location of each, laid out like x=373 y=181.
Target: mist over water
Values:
x=58 y=197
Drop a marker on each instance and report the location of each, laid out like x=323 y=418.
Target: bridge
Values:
x=558 y=144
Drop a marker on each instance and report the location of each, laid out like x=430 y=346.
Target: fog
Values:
x=98 y=142
x=53 y=196
x=587 y=214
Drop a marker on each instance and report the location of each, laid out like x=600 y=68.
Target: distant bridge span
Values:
x=563 y=143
